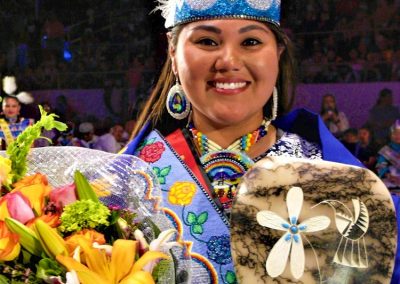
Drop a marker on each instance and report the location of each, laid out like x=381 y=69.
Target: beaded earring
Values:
x=274 y=111
x=177 y=104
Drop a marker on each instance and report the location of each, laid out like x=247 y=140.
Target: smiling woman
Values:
x=221 y=104
x=11 y=123
x=222 y=66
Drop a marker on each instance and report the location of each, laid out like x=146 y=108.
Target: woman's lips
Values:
x=228 y=87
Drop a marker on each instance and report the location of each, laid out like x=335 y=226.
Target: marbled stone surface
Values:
x=358 y=246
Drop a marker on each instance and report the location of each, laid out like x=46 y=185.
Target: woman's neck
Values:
x=12 y=119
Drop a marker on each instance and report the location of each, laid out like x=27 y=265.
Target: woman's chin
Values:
x=230 y=118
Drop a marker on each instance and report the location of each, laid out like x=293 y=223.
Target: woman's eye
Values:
x=250 y=42
x=206 y=41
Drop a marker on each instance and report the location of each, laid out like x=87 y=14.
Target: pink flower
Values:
x=17 y=206
x=64 y=195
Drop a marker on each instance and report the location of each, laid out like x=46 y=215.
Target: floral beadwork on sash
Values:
x=194 y=214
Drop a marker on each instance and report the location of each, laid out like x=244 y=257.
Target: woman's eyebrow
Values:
x=208 y=28
x=251 y=28
x=219 y=31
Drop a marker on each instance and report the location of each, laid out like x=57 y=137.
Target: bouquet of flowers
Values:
x=75 y=215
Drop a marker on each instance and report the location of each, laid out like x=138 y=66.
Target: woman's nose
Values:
x=229 y=59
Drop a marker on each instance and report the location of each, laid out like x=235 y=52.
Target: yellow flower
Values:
x=120 y=267
x=181 y=193
x=5 y=169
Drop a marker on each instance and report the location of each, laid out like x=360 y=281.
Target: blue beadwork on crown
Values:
x=195 y=10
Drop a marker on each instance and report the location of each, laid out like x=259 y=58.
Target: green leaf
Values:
x=202 y=218
x=18 y=150
x=83 y=188
x=165 y=171
x=149 y=141
x=161 y=180
x=191 y=218
x=60 y=126
x=230 y=277
x=4 y=280
x=145 y=143
x=48 y=267
x=197 y=229
x=163 y=268
x=157 y=171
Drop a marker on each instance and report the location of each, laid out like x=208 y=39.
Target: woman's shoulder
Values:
x=28 y=120
x=289 y=144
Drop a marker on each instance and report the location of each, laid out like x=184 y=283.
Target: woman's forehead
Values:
x=10 y=101
x=226 y=24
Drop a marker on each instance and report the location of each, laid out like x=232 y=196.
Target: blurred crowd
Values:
x=377 y=143
x=78 y=44
x=90 y=132
x=346 y=40
x=95 y=44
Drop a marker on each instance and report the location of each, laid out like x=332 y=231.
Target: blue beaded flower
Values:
x=219 y=249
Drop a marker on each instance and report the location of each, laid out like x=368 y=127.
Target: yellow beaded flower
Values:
x=181 y=193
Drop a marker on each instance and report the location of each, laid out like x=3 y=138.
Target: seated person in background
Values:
x=110 y=142
x=359 y=143
x=66 y=137
x=367 y=149
x=128 y=129
x=388 y=164
x=350 y=140
x=86 y=137
x=335 y=120
x=382 y=115
x=11 y=123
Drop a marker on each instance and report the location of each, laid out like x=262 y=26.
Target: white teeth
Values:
x=230 y=86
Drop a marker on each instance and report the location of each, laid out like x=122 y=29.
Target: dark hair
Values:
x=384 y=93
x=352 y=131
x=370 y=131
x=154 y=110
x=10 y=97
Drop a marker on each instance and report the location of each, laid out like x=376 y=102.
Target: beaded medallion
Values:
x=225 y=168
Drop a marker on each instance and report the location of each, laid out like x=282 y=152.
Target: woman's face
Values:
x=11 y=107
x=228 y=69
x=329 y=102
x=364 y=135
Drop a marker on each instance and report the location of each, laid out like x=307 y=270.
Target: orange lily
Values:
x=35 y=188
x=32 y=179
x=86 y=235
x=9 y=245
x=120 y=268
x=53 y=220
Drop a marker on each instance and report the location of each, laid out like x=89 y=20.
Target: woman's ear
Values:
x=171 y=52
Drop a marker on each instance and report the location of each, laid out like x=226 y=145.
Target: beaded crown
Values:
x=178 y=12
